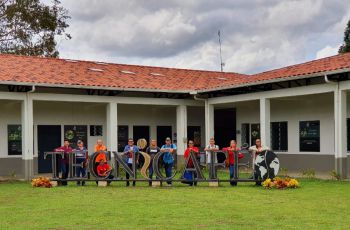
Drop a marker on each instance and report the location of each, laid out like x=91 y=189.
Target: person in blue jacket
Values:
x=129 y=150
x=168 y=159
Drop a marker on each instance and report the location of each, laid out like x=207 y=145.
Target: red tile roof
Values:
x=69 y=73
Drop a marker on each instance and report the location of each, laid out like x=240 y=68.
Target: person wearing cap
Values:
x=81 y=157
x=104 y=170
x=129 y=151
x=66 y=149
x=152 y=150
x=168 y=160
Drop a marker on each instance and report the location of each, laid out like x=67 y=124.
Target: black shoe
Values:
x=83 y=183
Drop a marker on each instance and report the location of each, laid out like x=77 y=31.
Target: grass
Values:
x=318 y=204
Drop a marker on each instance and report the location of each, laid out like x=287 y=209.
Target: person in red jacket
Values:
x=195 y=150
x=66 y=149
x=103 y=170
x=231 y=158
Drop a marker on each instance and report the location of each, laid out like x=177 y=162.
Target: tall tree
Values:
x=345 y=47
x=29 y=27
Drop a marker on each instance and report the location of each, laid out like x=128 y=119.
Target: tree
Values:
x=29 y=27
x=345 y=47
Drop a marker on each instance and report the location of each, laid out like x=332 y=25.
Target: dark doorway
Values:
x=224 y=126
x=123 y=135
x=141 y=132
x=49 y=138
x=194 y=134
x=162 y=133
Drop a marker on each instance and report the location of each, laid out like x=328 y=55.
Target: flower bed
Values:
x=281 y=183
x=42 y=182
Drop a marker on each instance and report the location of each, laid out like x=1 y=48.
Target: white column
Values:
x=181 y=128
x=112 y=127
x=265 y=122
x=209 y=122
x=340 y=140
x=27 y=137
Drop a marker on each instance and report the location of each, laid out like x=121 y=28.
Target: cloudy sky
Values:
x=257 y=35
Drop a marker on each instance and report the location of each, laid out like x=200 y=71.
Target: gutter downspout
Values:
x=32 y=90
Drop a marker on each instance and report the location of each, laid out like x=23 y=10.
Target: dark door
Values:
x=162 y=133
x=224 y=126
x=123 y=135
x=49 y=138
x=194 y=134
x=141 y=132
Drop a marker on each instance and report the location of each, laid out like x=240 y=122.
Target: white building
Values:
x=299 y=111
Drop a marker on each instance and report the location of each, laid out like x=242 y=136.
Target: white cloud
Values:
x=256 y=35
x=327 y=51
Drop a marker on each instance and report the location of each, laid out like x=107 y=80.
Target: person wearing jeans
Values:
x=66 y=149
x=152 y=150
x=231 y=158
x=168 y=160
x=129 y=150
x=195 y=150
x=81 y=157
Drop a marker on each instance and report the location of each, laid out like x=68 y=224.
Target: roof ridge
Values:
x=302 y=63
x=121 y=64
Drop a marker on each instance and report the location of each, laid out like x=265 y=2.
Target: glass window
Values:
x=96 y=130
x=255 y=133
x=14 y=139
x=245 y=134
x=309 y=133
x=279 y=136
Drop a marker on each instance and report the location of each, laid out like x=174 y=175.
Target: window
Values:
x=96 y=130
x=245 y=134
x=74 y=133
x=255 y=133
x=279 y=136
x=14 y=139
x=309 y=133
x=123 y=135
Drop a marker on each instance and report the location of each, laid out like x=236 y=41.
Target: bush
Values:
x=334 y=175
x=308 y=173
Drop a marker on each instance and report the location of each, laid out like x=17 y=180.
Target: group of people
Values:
x=131 y=151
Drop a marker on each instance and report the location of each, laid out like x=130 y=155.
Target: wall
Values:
x=73 y=113
x=295 y=109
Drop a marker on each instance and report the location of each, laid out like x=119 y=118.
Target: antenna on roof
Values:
x=221 y=63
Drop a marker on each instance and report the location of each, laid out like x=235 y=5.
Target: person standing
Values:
x=255 y=151
x=130 y=150
x=66 y=149
x=209 y=150
x=168 y=159
x=231 y=150
x=81 y=157
x=195 y=150
x=152 y=150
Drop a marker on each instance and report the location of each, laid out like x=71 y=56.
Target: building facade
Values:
x=300 y=111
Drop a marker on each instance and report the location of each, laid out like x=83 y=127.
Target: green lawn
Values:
x=318 y=204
